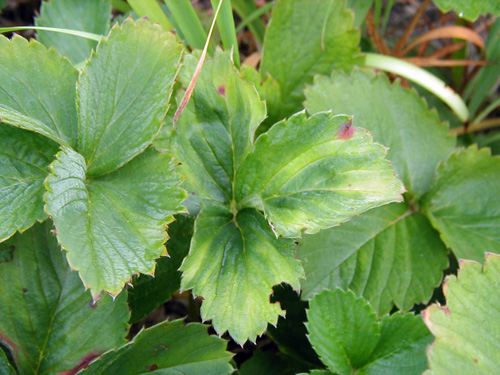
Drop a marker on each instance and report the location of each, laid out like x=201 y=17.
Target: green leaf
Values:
x=37 y=90
x=389 y=255
x=464 y=203
x=233 y=263
x=123 y=94
x=470 y=10
x=113 y=226
x=150 y=292
x=344 y=331
x=171 y=349
x=49 y=322
x=397 y=117
x=467 y=329
x=215 y=131
x=5 y=366
x=92 y=16
x=24 y=162
x=270 y=362
x=305 y=38
x=314 y=173
x=360 y=9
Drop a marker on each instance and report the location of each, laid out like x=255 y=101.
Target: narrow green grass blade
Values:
x=422 y=78
x=251 y=17
x=82 y=34
x=152 y=10
x=189 y=24
x=227 y=30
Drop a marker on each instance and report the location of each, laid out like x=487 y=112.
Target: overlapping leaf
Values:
x=123 y=94
x=92 y=16
x=233 y=263
x=148 y=292
x=389 y=255
x=467 y=329
x=319 y=172
x=397 y=117
x=49 y=322
x=470 y=10
x=305 y=38
x=5 y=367
x=464 y=203
x=37 y=90
x=113 y=226
x=167 y=349
x=216 y=130
x=24 y=162
x=344 y=331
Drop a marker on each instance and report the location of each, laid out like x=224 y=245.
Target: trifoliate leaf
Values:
x=313 y=173
x=92 y=16
x=123 y=94
x=397 y=117
x=464 y=203
x=215 y=131
x=113 y=226
x=389 y=255
x=147 y=291
x=470 y=10
x=305 y=38
x=169 y=348
x=233 y=264
x=49 y=322
x=37 y=90
x=24 y=161
x=467 y=329
x=344 y=331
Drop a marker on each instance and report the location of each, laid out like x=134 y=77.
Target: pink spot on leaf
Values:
x=84 y=363
x=346 y=131
x=222 y=90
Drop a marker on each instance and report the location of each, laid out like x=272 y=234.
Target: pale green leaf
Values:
x=464 y=203
x=92 y=16
x=305 y=38
x=24 y=161
x=48 y=321
x=123 y=94
x=314 y=173
x=113 y=226
x=467 y=329
x=468 y=9
x=397 y=117
x=169 y=348
x=389 y=255
x=344 y=331
x=233 y=263
x=37 y=90
x=215 y=131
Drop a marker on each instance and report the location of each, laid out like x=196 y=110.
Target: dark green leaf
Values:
x=344 y=331
x=389 y=255
x=305 y=38
x=167 y=349
x=5 y=366
x=24 y=161
x=149 y=292
x=464 y=203
x=49 y=322
x=92 y=16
